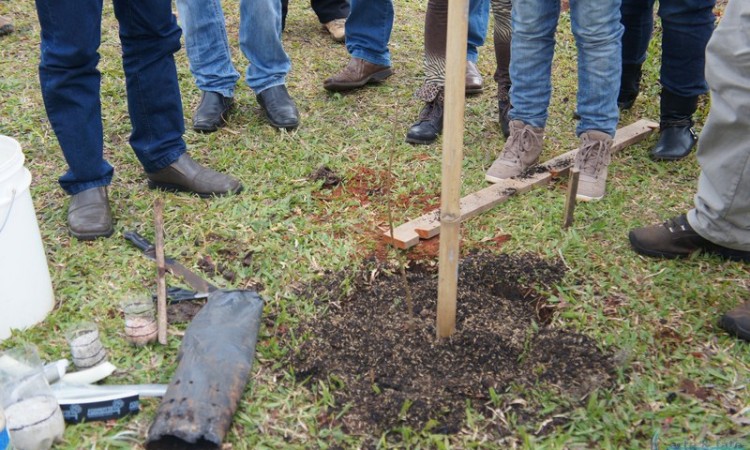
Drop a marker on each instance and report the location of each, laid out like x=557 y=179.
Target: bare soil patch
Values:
x=386 y=373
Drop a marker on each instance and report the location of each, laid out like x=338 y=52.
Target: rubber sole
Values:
x=91 y=236
x=732 y=327
x=177 y=188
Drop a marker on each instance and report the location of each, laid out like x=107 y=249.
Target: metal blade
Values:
x=191 y=278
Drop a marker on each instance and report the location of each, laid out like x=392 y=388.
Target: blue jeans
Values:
x=208 y=48
x=370 y=22
x=597 y=30
x=70 y=82
x=687 y=26
x=479 y=17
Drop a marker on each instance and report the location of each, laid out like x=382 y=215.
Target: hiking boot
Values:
x=592 y=160
x=429 y=125
x=675 y=238
x=737 y=321
x=336 y=28
x=521 y=151
x=503 y=108
x=6 y=26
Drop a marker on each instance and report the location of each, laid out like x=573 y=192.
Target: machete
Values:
x=190 y=277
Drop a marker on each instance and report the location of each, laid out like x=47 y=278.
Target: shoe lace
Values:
x=519 y=143
x=433 y=110
x=593 y=156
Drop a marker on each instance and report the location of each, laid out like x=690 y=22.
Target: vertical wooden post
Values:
x=453 y=135
x=570 y=200
x=161 y=272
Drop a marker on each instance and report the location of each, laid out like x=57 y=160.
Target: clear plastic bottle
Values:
x=4 y=437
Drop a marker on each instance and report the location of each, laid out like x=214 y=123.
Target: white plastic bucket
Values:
x=25 y=288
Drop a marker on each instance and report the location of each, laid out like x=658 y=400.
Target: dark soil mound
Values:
x=390 y=374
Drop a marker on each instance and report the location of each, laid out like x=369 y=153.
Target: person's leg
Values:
x=598 y=32
x=719 y=223
x=284 y=12
x=687 y=26
x=638 y=22
x=368 y=30
x=501 y=10
x=429 y=124
x=722 y=203
x=534 y=24
x=150 y=36
x=207 y=46
x=70 y=83
x=210 y=61
x=260 y=41
x=479 y=17
x=328 y=10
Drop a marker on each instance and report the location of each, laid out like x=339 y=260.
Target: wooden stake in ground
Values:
x=570 y=200
x=161 y=272
x=453 y=138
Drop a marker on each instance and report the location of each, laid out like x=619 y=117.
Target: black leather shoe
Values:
x=429 y=125
x=89 y=215
x=675 y=238
x=674 y=143
x=212 y=112
x=279 y=107
x=186 y=175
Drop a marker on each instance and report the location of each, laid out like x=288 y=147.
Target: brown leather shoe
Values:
x=186 y=175
x=474 y=81
x=89 y=215
x=356 y=74
x=737 y=321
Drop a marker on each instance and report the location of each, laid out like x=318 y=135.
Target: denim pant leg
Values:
x=207 y=46
x=637 y=16
x=70 y=83
x=368 y=30
x=534 y=23
x=150 y=36
x=260 y=41
x=328 y=10
x=598 y=33
x=479 y=17
x=687 y=25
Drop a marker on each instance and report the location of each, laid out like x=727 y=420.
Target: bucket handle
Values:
x=10 y=208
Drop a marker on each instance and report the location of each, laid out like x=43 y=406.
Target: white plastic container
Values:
x=27 y=295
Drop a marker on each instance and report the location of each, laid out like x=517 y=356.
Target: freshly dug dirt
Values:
x=390 y=373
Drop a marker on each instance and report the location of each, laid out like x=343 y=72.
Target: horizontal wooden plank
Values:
x=426 y=226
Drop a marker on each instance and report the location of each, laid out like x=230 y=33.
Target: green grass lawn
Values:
x=681 y=376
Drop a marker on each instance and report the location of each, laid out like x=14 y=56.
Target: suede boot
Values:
x=630 y=84
x=676 y=136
